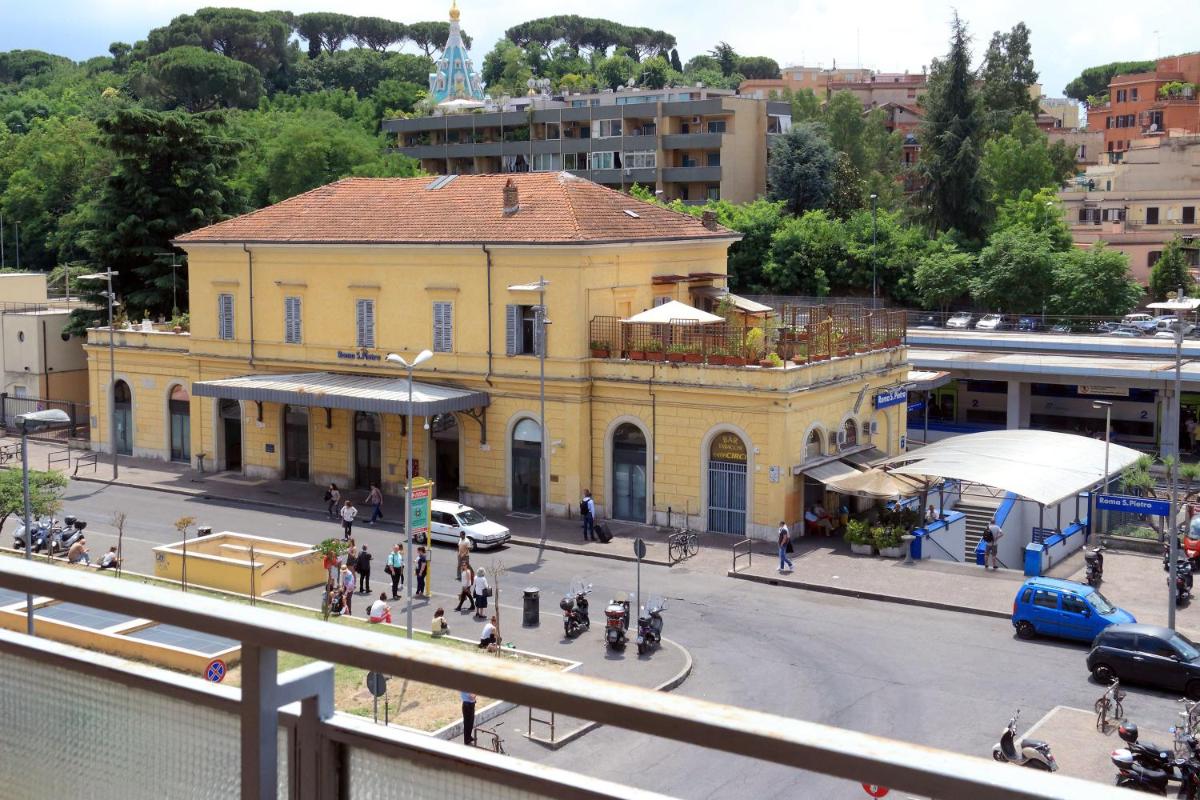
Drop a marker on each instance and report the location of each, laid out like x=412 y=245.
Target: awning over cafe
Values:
x=354 y=392
x=830 y=472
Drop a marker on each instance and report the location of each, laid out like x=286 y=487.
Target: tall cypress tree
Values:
x=951 y=143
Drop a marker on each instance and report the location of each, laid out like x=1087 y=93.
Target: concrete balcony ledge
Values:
x=161 y=338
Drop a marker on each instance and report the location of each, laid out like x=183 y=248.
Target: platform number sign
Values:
x=875 y=791
x=216 y=670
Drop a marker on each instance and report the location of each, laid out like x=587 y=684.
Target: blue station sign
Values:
x=891 y=397
x=1133 y=505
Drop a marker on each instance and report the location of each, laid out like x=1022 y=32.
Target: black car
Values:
x=1030 y=324
x=1146 y=654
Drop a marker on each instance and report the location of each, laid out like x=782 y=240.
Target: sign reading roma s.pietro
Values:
x=891 y=397
x=1134 y=505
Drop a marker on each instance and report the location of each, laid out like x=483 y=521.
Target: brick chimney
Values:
x=511 y=204
x=709 y=220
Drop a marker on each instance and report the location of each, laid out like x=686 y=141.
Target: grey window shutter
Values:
x=443 y=327
x=225 y=316
x=366 y=323
x=512 y=330
x=291 y=320
x=539 y=336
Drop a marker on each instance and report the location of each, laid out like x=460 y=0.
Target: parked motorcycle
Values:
x=1149 y=768
x=1147 y=754
x=43 y=529
x=1183 y=581
x=1094 y=561
x=616 y=621
x=71 y=532
x=650 y=624
x=1033 y=753
x=575 y=609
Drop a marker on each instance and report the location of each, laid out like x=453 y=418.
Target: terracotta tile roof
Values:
x=555 y=208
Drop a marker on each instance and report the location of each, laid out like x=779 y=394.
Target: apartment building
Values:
x=1149 y=104
x=692 y=144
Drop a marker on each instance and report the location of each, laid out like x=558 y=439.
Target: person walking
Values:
x=420 y=570
x=468 y=711
x=464 y=546
x=333 y=501
x=784 y=539
x=364 y=571
x=352 y=560
x=587 y=511
x=395 y=568
x=375 y=500
x=348 y=512
x=992 y=537
x=347 y=591
x=481 y=590
x=466 y=580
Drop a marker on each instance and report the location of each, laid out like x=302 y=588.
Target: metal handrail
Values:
x=749 y=554
x=769 y=737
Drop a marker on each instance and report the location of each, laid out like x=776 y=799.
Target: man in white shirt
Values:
x=348 y=512
x=380 y=611
x=487 y=638
x=992 y=537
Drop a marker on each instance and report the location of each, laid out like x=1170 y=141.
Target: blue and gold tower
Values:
x=455 y=78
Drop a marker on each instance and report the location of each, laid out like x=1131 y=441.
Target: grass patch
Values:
x=1135 y=531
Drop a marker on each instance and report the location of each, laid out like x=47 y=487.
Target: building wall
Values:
x=22 y=287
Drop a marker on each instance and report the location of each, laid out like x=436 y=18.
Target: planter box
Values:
x=693 y=358
x=596 y=353
x=637 y=355
x=891 y=552
x=717 y=361
x=735 y=361
x=862 y=549
x=675 y=357
x=654 y=355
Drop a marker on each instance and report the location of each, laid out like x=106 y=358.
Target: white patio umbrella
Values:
x=674 y=311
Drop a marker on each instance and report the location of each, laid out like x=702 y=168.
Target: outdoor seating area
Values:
x=796 y=335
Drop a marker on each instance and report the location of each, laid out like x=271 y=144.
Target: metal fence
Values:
x=133 y=731
x=13 y=407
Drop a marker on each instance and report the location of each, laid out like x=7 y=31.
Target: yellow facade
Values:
x=678 y=408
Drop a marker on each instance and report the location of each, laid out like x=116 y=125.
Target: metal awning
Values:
x=926 y=380
x=740 y=303
x=864 y=458
x=830 y=472
x=336 y=390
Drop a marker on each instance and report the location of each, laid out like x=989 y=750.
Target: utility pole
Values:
x=17 y=231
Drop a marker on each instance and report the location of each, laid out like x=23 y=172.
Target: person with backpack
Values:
x=785 y=539
x=991 y=537
x=587 y=512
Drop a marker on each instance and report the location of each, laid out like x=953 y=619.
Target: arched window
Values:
x=850 y=434
x=123 y=418
x=526 y=456
x=814 y=448
x=179 y=407
x=629 y=473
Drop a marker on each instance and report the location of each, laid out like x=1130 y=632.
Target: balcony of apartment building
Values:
x=693 y=166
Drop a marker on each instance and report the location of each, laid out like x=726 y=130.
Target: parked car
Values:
x=960 y=320
x=928 y=321
x=1169 y=325
x=1125 y=333
x=1146 y=654
x=1054 y=607
x=447 y=519
x=1061 y=327
x=1032 y=324
x=1136 y=319
x=991 y=322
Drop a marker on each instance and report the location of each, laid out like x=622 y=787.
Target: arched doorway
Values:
x=526 y=466
x=295 y=443
x=444 y=431
x=367 y=462
x=727 y=484
x=179 y=407
x=123 y=418
x=230 y=414
x=629 y=473
x=849 y=434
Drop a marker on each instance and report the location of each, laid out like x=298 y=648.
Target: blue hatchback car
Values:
x=1053 y=607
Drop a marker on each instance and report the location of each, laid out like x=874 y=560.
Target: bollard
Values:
x=530 y=618
x=908 y=539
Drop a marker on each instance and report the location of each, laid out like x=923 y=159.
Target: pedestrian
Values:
x=991 y=538
x=375 y=500
x=333 y=500
x=364 y=571
x=785 y=539
x=487 y=637
x=327 y=598
x=468 y=709
x=466 y=579
x=587 y=511
x=481 y=590
x=420 y=570
x=1191 y=431
x=347 y=590
x=349 y=512
x=395 y=568
x=331 y=565
x=931 y=514
x=380 y=612
x=352 y=560
x=464 y=546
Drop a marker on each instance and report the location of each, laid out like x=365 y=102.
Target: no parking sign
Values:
x=875 y=791
x=216 y=670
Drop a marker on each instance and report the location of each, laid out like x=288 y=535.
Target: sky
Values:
x=1067 y=35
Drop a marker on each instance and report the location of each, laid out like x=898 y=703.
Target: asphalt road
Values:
x=937 y=678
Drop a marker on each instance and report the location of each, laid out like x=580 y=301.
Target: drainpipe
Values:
x=250 y=278
x=488 y=254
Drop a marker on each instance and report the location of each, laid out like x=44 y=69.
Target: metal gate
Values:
x=726 y=497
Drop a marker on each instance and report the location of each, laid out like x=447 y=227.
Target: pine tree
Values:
x=676 y=64
x=951 y=143
x=1007 y=75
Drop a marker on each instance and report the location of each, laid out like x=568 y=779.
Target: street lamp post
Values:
x=112 y=362
x=539 y=340
x=1179 y=304
x=396 y=358
x=175 y=265
x=874 y=232
x=27 y=424
x=1107 y=406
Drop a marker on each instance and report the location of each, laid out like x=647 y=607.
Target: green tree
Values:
x=843 y=119
x=1015 y=272
x=847 y=194
x=169 y=177
x=1041 y=212
x=431 y=36
x=757 y=222
x=943 y=276
x=804 y=250
x=1018 y=161
x=882 y=151
x=324 y=30
x=754 y=67
x=655 y=73
x=18 y=65
x=45 y=493
x=1170 y=272
x=257 y=38
x=377 y=33
x=616 y=70
x=196 y=79
x=675 y=62
x=505 y=69
x=1094 y=80
x=800 y=168
x=725 y=56
x=953 y=191
x=805 y=104
x=1008 y=74
x=1094 y=282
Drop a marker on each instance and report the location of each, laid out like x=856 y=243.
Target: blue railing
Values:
x=1001 y=515
x=1036 y=553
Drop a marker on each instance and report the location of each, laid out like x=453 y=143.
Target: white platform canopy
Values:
x=1042 y=466
x=674 y=311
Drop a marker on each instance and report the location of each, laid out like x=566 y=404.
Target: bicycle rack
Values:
x=58 y=456
x=749 y=554
x=533 y=719
x=677 y=543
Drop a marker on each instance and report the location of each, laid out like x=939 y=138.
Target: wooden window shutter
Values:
x=225 y=316
x=539 y=336
x=512 y=330
x=366 y=323
x=443 y=327
x=291 y=320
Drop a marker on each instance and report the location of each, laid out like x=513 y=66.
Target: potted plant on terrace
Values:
x=772 y=360
x=654 y=350
x=887 y=540
x=676 y=352
x=717 y=356
x=600 y=349
x=858 y=537
x=692 y=354
x=752 y=345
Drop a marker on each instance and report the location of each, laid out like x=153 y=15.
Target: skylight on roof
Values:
x=633 y=214
x=440 y=182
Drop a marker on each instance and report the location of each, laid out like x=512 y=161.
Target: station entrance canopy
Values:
x=1042 y=466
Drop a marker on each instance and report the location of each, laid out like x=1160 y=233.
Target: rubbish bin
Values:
x=531 y=607
x=204 y=530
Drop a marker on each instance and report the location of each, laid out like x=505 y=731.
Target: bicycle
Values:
x=1108 y=707
x=681 y=545
x=497 y=744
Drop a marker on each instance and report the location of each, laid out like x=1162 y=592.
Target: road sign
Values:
x=639 y=547
x=418 y=507
x=1134 y=505
x=216 y=670
x=376 y=683
x=875 y=791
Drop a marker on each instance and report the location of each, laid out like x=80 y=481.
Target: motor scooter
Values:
x=71 y=532
x=650 y=624
x=1183 y=581
x=1094 y=561
x=1149 y=768
x=616 y=621
x=575 y=609
x=1033 y=753
x=44 y=528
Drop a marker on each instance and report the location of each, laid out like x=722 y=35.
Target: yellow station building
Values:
x=294 y=308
